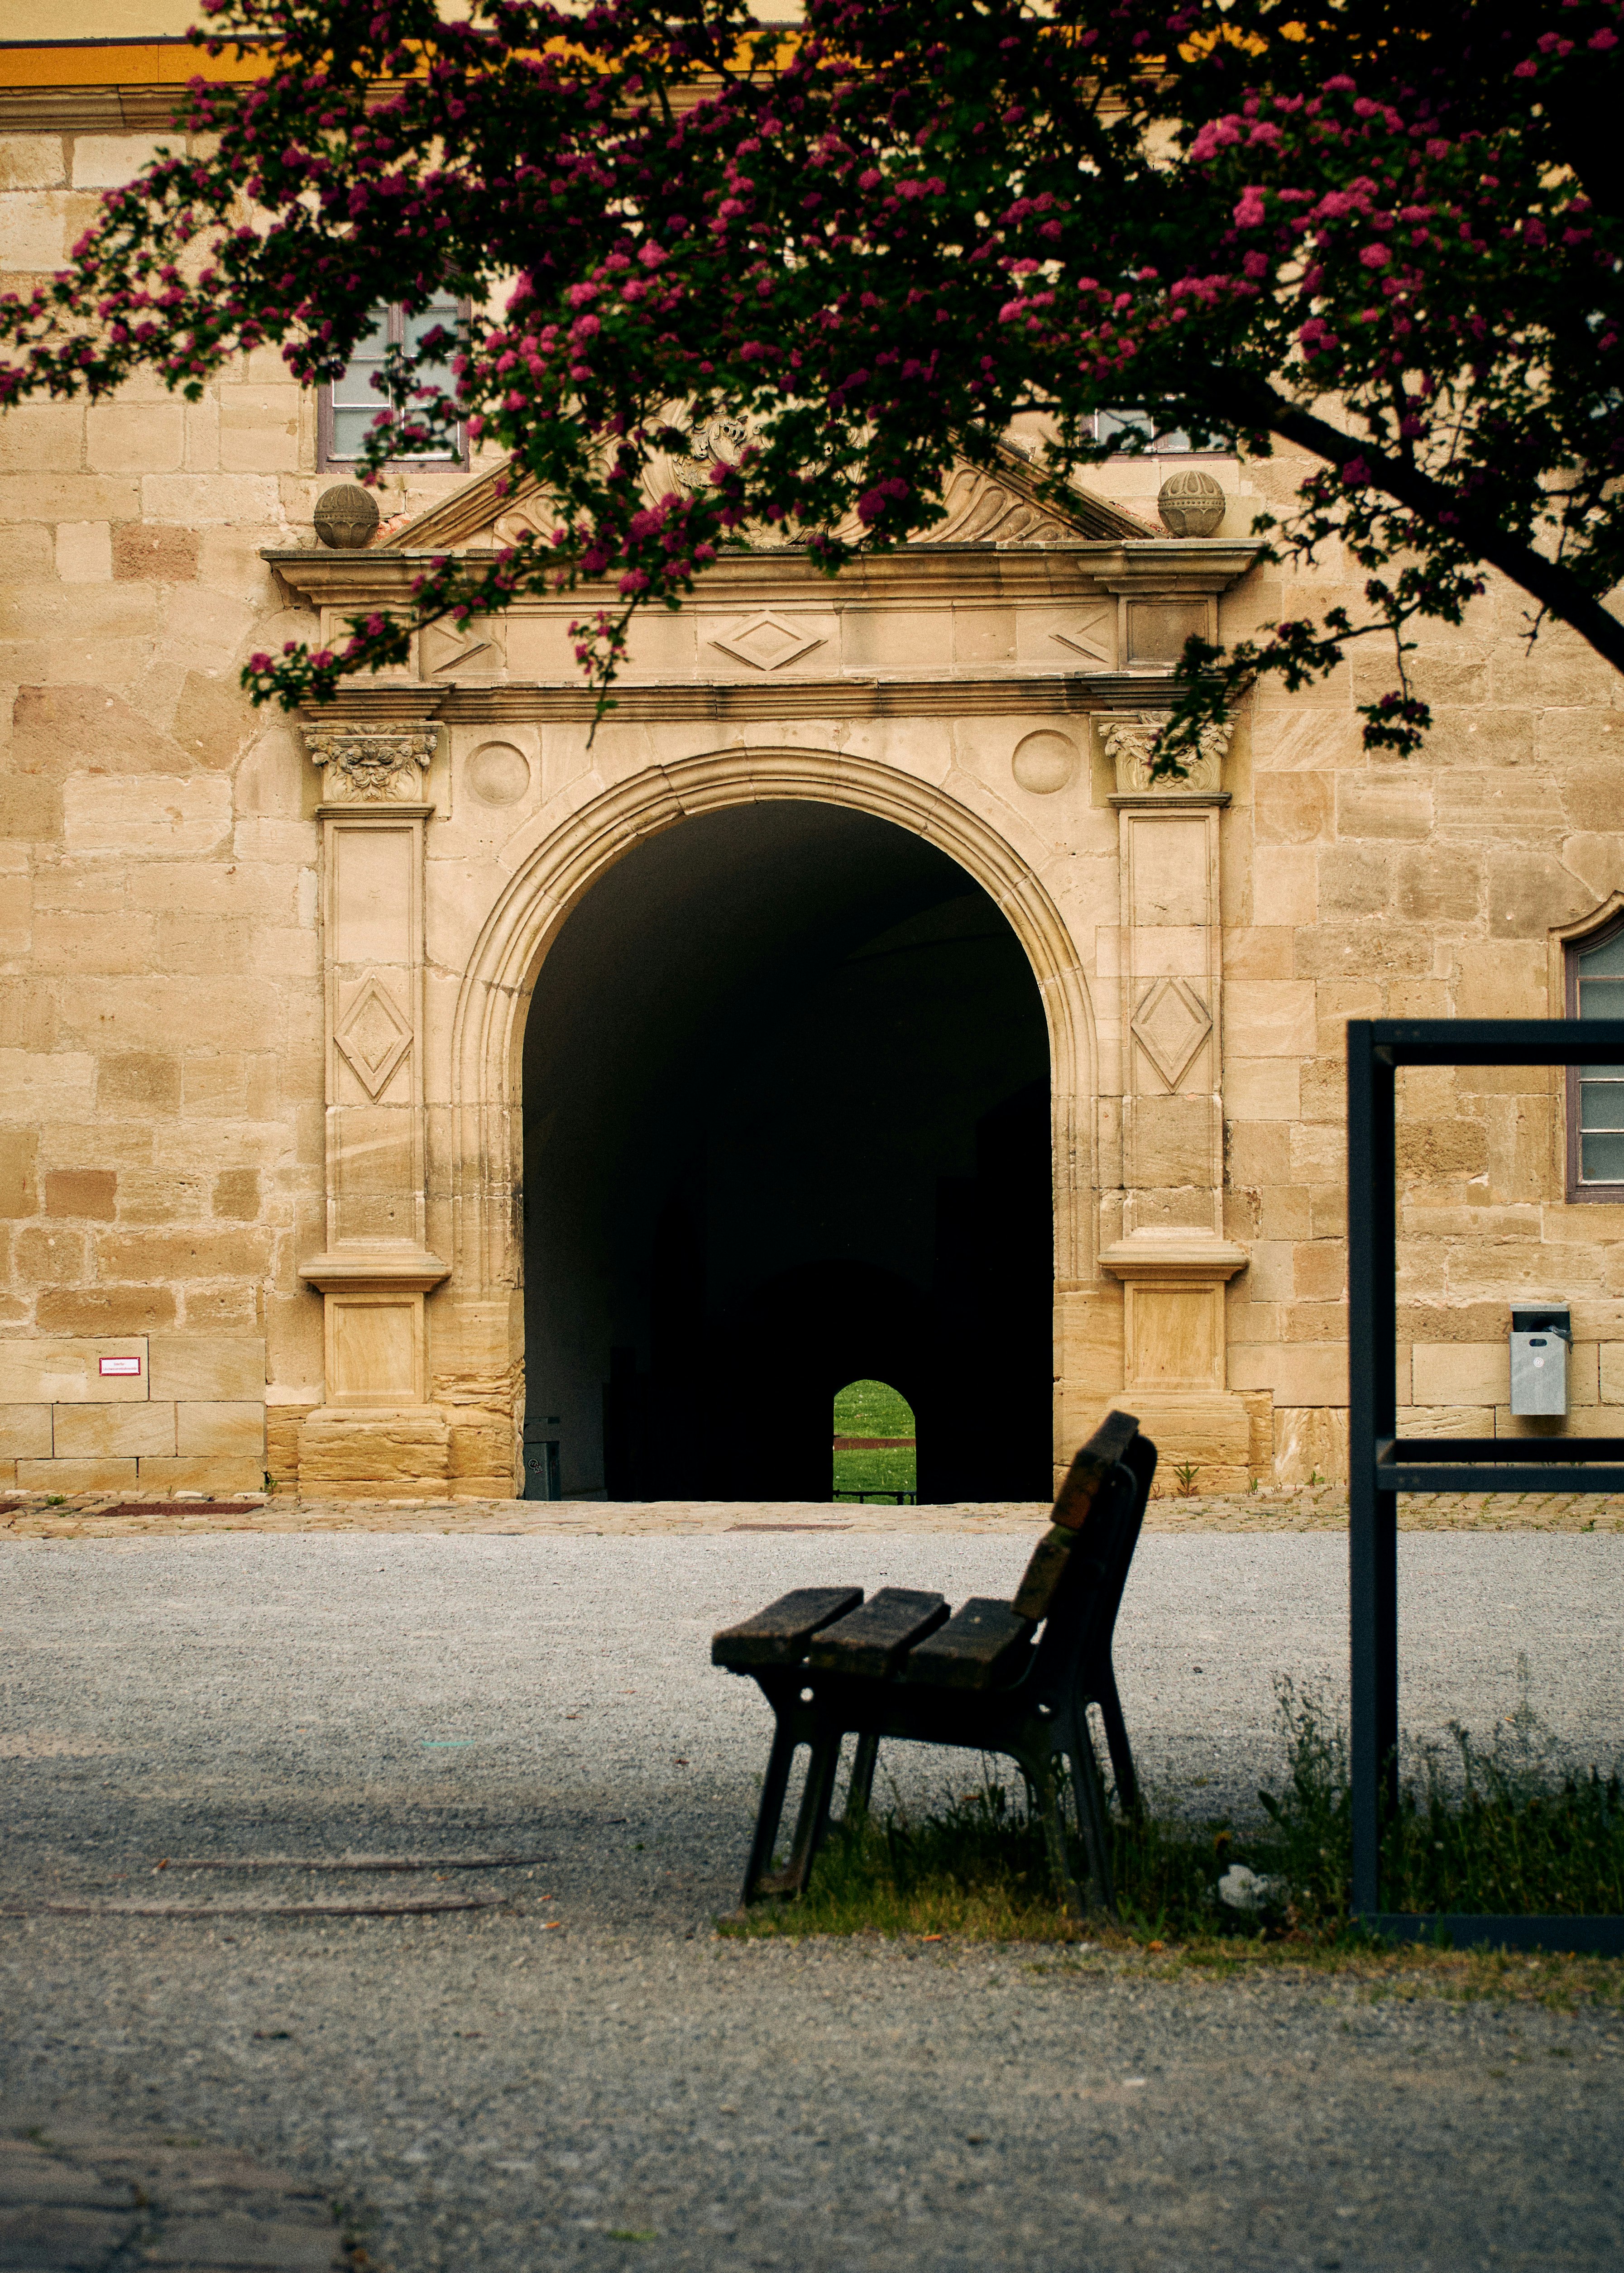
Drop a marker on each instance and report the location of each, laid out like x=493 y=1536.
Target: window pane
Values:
x=1601 y=1104
x=439 y=314
x=356 y=385
x=355 y=401
x=1601 y=1159
x=1111 y=424
x=1604 y=962
x=1168 y=440
x=351 y=428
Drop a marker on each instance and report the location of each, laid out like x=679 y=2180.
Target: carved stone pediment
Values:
x=1001 y=505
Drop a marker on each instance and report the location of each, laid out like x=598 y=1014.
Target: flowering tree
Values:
x=1389 y=236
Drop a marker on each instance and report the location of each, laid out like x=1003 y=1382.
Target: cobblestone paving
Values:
x=98 y=1515
x=82 y=2196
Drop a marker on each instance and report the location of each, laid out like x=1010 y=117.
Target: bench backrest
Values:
x=1078 y=1571
x=1078 y=1498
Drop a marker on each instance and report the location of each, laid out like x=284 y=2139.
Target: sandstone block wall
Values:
x=159 y=1413
x=160 y=1089
x=1437 y=887
x=163 y=1104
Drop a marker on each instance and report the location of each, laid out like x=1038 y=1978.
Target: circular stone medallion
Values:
x=1044 y=763
x=498 y=773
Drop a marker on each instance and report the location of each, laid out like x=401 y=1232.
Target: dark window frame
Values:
x=326 y=461
x=1610 y=1194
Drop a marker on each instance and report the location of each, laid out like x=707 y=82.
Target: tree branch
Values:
x=1558 y=590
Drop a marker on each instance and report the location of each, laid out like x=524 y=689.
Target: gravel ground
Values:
x=588 y=2076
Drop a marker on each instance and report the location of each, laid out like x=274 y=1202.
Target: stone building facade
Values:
x=267 y=981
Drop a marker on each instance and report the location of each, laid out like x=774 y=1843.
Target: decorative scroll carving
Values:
x=371 y=765
x=1130 y=740
x=983 y=510
x=530 y=516
x=718 y=442
x=714 y=442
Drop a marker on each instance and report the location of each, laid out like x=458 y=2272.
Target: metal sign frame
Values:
x=1382 y=1464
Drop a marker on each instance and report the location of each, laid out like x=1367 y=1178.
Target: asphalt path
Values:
x=587 y=2075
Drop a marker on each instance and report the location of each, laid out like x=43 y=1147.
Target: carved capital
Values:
x=1130 y=739
x=371 y=765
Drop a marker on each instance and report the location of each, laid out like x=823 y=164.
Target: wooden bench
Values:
x=1014 y=1677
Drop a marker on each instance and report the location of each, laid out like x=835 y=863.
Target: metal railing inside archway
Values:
x=1382 y=1464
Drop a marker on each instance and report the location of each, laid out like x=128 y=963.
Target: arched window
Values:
x=1596 y=1092
x=875 y=1452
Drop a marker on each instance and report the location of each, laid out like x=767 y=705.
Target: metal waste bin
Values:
x=1540 y=1338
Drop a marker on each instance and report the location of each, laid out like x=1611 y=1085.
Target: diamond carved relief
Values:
x=1094 y=636
x=1171 y=1025
x=767 y=643
x=476 y=649
x=374 y=1036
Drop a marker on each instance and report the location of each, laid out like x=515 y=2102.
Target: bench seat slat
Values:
x=868 y=1643
x=985 y=1642
x=778 y=1635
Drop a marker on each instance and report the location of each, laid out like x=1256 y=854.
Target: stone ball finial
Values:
x=1191 y=503
x=346 y=517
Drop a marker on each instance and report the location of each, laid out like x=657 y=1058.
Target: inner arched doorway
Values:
x=786 y=1124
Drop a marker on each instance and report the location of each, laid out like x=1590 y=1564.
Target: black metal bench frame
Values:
x=1002 y=1691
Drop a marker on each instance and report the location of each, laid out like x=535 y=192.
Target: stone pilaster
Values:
x=377 y=1430
x=1172 y=1256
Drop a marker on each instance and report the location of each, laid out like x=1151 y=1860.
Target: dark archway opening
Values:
x=787 y=1126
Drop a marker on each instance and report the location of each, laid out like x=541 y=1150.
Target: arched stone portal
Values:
x=994 y=692
x=478 y=1338
x=787 y=1124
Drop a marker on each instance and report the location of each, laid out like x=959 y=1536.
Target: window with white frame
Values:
x=1596 y=1092
x=351 y=404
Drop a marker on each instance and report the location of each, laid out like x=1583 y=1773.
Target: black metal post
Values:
x=1372 y=1529
x=1381 y=1465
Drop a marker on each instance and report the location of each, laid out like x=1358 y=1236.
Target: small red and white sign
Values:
x=125 y=1365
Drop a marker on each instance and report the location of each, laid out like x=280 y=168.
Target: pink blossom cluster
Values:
x=874 y=239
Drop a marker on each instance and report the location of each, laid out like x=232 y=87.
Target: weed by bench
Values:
x=1504 y=1828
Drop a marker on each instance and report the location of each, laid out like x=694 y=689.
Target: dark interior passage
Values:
x=786 y=1125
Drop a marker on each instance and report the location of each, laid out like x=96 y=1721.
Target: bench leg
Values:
x=1117 y=1740
x=859 y=1791
x=1090 y=1796
x=1042 y=1783
x=813 y=1821
x=770 y=1811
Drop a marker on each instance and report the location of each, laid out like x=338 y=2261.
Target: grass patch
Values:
x=886 y=1473
x=874 y=1408
x=1506 y=1828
